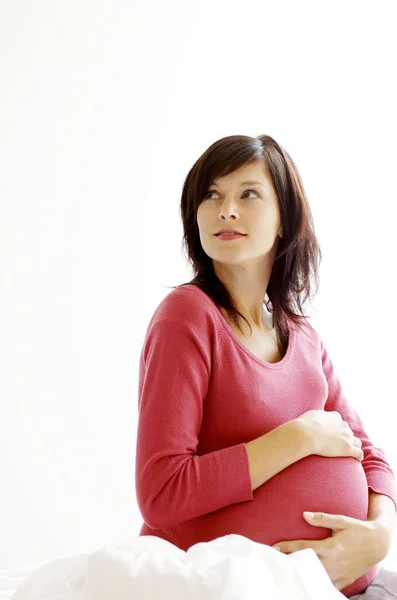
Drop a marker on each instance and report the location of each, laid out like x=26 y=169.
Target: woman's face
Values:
x=251 y=208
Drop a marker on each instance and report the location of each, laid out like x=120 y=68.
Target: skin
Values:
x=354 y=546
x=244 y=266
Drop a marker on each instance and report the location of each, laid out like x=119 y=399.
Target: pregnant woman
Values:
x=243 y=424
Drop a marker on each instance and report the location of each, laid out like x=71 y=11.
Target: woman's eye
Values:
x=214 y=192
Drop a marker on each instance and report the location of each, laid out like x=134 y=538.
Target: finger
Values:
x=334 y=522
x=348 y=428
x=295 y=545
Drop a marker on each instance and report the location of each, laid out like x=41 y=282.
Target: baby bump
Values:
x=335 y=485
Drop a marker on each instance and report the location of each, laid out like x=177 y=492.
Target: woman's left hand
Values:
x=354 y=547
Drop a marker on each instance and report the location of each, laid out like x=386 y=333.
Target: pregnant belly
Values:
x=326 y=484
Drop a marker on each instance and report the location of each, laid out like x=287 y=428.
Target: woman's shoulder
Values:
x=185 y=297
x=186 y=304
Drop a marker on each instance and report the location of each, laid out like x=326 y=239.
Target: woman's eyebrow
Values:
x=245 y=183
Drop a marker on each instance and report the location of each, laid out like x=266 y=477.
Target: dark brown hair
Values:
x=299 y=255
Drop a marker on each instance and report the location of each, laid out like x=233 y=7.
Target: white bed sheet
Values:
x=72 y=567
x=11 y=580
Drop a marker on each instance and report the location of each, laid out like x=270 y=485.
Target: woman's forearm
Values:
x=276 y=450
x=382 y=510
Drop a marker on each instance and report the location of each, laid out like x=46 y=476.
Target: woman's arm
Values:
x=378 y=471
x=381 y=509
x=274 y=451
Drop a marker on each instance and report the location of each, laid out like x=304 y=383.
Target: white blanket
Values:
x=231 y=567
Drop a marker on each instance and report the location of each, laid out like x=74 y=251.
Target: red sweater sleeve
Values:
x=380 y=476
x=173 y=483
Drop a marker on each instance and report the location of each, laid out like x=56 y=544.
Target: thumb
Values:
x=334 y=522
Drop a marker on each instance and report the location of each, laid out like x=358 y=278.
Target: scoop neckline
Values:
x=226 y=327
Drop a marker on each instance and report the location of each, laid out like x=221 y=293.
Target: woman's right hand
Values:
x=329 y=434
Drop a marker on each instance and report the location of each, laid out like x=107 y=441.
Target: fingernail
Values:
x=309 y=515
x=276 y=548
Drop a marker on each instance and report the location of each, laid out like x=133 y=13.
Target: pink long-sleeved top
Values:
x=202 y=396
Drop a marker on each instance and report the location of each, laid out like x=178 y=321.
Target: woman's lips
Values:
x=228 y=236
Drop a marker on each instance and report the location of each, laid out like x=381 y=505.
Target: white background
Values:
x=104 y=108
